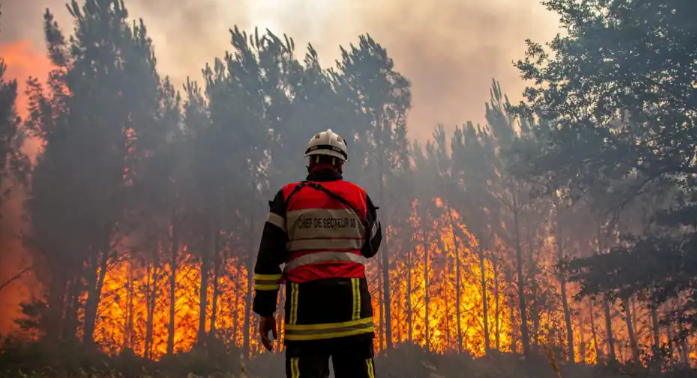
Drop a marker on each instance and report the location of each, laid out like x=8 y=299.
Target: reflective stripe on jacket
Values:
x=324 y=251
x=324 y=235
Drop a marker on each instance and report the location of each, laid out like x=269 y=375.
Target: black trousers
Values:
x=352 y=357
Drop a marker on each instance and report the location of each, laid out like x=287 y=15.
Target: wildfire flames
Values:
x=22 y=59
x=134 y=310
x=136 y=298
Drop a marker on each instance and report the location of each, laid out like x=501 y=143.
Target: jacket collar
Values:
x=324 y=175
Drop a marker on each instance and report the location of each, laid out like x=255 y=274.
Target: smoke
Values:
x=449 y=49
x=22 y=60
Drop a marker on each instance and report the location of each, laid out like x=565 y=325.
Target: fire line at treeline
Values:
x=423 y=283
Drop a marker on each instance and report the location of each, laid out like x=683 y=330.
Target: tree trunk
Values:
x=533 y=305
x=534 y=314
x=655 y=327
x=630 y=330
x=203 y=293
x=174 y=250
x=400 y=311
x=485 y=302
x=381 y=306
x=212 y=334
x=444 y=292
x=95 y=282
x=608 y=328
x=514 y=342
x=410 y=323
x=217 y=265
x=458 y=291
x=632 y=302
x=71 y=320
x=582 y=343
x=606 y=308
x=148 y=317
x=498 y=304
x=250 y=289
x=594 y=334
x=525 y=338
x=248 y=309
x=387 y=295
x=679 y=310
x=152 y=300
x=426 y=291
x=128 y=334
x=564 y=298
x=671 y=337
x=234 y=301
x=58 y=300
x=385 y=250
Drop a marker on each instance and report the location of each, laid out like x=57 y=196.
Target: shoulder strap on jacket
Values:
x=321 y=188
x=295 y=191
x=337 y=197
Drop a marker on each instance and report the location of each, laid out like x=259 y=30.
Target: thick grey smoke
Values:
x=450 y=49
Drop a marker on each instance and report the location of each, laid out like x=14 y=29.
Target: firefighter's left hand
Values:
x=266 y=324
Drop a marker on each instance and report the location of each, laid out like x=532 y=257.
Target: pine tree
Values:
x=382 y=97
x=103 y=94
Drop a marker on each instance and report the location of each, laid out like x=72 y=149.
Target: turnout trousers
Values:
x=352 y=357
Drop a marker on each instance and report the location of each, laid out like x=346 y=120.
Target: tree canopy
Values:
x=564 y=226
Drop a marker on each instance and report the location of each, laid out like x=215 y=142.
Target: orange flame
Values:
x=136 y=297
x=22 y=59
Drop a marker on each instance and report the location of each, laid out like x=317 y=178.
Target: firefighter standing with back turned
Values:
x=324 y=229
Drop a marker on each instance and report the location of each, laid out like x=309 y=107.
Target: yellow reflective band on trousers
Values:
x=322 y=257
x=294 y=368
x=306 y=332
x=267 y=281
x=293 y=313
x=356 y=289
x=371 y=368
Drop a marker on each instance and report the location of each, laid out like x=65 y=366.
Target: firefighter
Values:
x=323 y=229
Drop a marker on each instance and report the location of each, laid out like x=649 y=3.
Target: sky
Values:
x=449 y=49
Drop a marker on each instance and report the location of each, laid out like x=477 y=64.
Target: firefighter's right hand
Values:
x=266 y=324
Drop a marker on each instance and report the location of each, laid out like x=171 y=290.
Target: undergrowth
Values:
x=74 y=360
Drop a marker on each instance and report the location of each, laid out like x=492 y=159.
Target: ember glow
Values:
x=22 y=59
x=450 y=292
x=134 y=310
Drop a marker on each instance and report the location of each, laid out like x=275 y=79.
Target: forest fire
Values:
x=135 y=306
x=143 y=210
x=22 y=60
x=134 y=311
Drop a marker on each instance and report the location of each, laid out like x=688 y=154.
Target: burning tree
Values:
x=146 y=204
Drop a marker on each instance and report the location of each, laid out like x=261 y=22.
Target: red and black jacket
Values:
x=323 y=229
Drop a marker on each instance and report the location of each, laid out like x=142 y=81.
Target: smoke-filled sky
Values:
x=449 y=49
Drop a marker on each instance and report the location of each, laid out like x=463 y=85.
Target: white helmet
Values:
x=327 y=143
